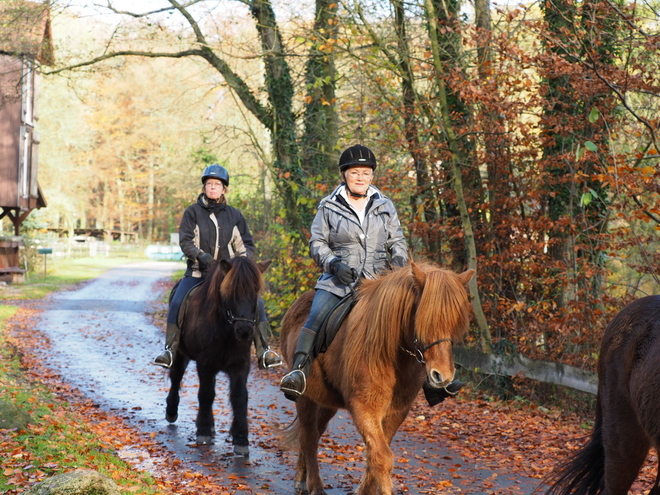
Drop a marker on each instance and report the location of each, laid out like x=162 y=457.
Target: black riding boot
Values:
x=435 y=396
x=266 y=357
x=294 y=383
x=172 y=335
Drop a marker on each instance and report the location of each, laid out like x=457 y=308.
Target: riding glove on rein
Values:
x=204 y=260
x=343 y=272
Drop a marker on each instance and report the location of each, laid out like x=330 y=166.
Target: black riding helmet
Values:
x=357 y=156
x=216 y=171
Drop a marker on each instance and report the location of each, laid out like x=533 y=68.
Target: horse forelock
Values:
x=392 y=308
x=444 y=307
x=244 y=280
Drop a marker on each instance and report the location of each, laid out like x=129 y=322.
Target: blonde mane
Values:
x=395 y=307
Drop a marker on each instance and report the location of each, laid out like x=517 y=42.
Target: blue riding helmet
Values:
x=216 y=171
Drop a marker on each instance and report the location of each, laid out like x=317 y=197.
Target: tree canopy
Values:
x=518 y=141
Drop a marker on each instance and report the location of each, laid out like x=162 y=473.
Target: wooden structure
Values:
x=25 y=42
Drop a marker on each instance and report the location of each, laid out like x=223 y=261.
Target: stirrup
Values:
x=269 y=359
x=166 y=354
x=292 y=393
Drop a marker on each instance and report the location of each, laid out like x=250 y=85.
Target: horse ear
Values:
x=225 y=265
x=263 y=265
x=465 y=277
x=418 y=274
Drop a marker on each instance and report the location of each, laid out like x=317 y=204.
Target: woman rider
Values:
x=355 y=234
x=212 y=230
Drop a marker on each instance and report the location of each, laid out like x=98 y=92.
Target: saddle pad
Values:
x=331 y=324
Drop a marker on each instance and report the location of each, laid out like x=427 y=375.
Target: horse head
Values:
x=442 y=318
x=240 y=288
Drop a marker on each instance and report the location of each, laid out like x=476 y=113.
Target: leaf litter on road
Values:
x=492 y=438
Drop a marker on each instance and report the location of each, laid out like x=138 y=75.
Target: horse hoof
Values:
x=242 y=450
x=171 y=418
x=204 y=439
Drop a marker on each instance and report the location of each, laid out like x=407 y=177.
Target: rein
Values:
x=419 y=353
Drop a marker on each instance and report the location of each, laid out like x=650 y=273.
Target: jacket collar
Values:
x=203 y=201
x=376 y=198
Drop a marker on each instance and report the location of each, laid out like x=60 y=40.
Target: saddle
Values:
x=181 y=317
x=332 y=322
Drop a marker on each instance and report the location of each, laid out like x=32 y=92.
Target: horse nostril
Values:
x=244 y=332
x=435 y=378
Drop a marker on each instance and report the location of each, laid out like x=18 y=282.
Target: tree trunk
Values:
x=457 y=161
x=319 y=153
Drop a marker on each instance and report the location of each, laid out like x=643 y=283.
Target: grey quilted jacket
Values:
x=367 y=247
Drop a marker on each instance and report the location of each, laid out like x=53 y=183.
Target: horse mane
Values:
x=394 y=306
x=243 y=280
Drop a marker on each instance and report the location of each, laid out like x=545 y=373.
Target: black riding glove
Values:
x=398 y=261
x=204 y=260
x=343 y=272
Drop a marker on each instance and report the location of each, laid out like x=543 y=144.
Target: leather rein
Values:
x=419 y=352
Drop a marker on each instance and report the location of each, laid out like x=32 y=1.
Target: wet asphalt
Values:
x=103 y=341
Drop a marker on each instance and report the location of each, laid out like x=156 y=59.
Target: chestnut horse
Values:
x=217 y=333
x=627 y=408
x=399 y=332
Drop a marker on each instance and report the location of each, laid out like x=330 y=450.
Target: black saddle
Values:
x=183 y=309
x=332 y=322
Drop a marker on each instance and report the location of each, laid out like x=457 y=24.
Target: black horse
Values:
x=217 y=333
x=627 y=408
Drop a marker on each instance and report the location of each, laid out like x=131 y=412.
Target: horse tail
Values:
x=584 y=472
x=289 y=435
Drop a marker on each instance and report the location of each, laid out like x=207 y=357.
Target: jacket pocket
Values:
x=342 y=254
x=380 y=255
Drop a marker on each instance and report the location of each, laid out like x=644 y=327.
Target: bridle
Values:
x=419 y=352
x=232 y=319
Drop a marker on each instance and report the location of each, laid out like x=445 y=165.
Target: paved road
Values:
x=103 y=341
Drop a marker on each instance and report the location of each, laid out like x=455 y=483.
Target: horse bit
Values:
x=419 y=353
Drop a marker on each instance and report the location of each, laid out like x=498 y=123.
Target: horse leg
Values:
x=238 y=396
x=205 y=397
x=626 y=447
x=313 y=423
x=656 y=486
x=377 y=475
x=391 y=423
x=176 y=375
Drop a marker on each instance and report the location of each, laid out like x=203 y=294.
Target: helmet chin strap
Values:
x=354 y=195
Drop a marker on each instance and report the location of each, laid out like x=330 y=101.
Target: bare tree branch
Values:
x=124 y=53
x=113 y=9
x=644 y=210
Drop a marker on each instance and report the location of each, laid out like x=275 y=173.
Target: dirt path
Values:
x=103 y=340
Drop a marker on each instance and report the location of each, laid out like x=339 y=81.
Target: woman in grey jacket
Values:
x=212 y=230
x=356 y=234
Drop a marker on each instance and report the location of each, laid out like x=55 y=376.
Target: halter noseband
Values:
x=232 y=319
x=419 y=353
